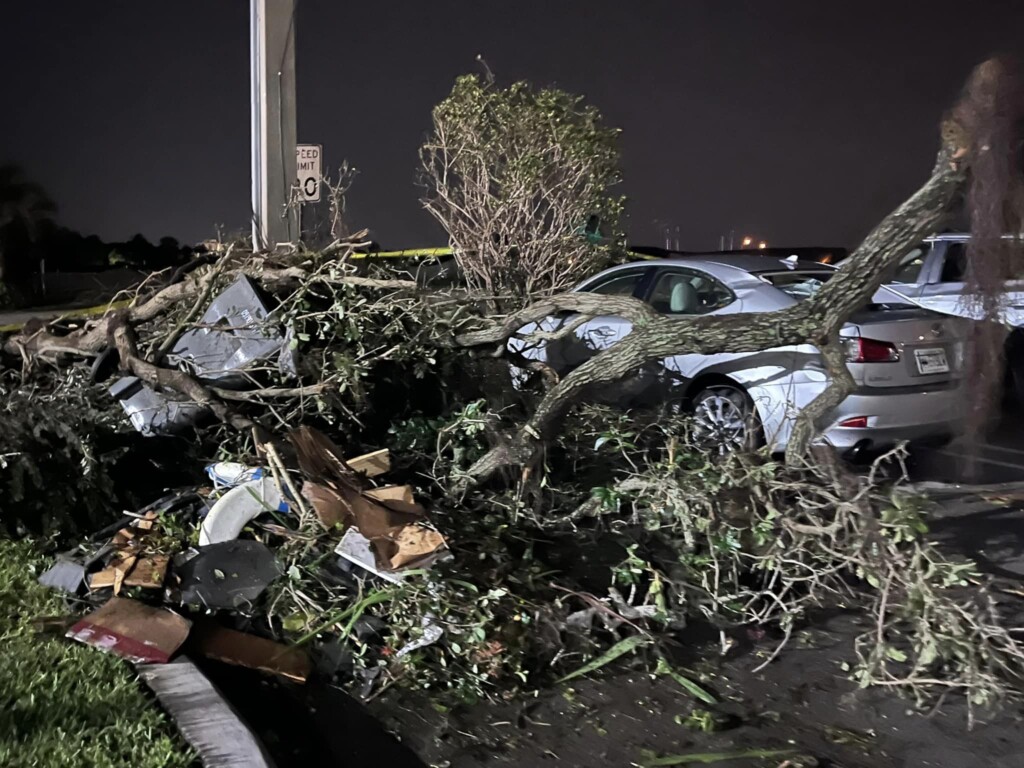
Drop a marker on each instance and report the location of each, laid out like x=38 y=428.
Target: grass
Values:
x=64 y=704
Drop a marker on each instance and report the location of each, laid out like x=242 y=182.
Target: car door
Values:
x=945 y=288
x=602 y=331
x=686 y=292
x=592 y=335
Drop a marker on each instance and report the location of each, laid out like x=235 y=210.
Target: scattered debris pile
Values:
x=332 y=533
x=182 y=560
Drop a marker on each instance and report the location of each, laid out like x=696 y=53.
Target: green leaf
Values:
x=686 y=683
x=895 y=654
x=705 y=758
x=621 y=648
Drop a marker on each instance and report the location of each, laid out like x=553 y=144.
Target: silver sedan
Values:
x=906 y=361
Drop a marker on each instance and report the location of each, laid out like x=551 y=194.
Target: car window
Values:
x=620 y=284
x=799 y=285
x=803 y=285
x=954 y=264
x=684 y=292
x=909 y=269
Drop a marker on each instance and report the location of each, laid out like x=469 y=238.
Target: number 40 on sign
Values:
x=308 y=172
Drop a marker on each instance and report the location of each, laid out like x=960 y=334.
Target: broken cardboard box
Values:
x=132 y=630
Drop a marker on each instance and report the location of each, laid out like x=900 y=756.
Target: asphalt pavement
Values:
x=978 y=488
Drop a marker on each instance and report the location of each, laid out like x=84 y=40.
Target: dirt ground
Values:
x=802 y=702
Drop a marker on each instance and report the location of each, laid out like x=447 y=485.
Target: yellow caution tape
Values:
x=72 y=313
x=409 y=253
x=433 y=253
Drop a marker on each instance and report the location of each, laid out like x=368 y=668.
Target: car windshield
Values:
x=803 y=285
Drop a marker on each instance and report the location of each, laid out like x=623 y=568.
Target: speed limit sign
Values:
x=308 y=167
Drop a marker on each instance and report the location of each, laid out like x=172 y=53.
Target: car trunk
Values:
x=928 y=347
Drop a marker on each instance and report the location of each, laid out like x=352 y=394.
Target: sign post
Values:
x=309 y=171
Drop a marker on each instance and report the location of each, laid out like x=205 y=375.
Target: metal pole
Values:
x=274 y=123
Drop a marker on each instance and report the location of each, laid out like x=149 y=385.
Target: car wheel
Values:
x=725 y=420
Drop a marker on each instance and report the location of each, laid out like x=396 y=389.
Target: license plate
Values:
x=930 y=361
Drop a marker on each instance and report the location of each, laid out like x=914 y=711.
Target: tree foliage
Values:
x=515 y=175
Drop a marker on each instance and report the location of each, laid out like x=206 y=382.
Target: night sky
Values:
x=794 y=121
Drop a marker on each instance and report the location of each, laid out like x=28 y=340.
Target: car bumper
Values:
x=917 y=416
x=894 y=416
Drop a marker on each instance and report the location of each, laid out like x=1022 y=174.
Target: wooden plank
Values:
x=245 y=650
x=203 y=716
x=371 y=464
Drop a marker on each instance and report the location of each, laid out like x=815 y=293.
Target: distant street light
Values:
x=762 y=245
x=747 y=242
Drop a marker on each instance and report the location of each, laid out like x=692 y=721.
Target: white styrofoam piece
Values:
x=237 y=507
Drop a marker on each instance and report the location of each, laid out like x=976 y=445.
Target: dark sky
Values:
x=793 y=120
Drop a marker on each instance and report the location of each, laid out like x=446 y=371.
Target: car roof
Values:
x=731 y=268
x=949 y=237
x=810 y=253
x=963 y=237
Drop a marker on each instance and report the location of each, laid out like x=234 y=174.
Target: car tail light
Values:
x=860 y=350
x=857 y=422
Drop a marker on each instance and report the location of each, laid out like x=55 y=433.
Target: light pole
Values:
x=274 y=123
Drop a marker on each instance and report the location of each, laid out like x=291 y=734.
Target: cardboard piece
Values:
x=326 y=502
x=319 y=458
x=132 y=565
x=398 y=498
x=358 y=549
x=388 y=518
x=355 y=548
x=132 y=630
x=415 y=546
x=245 y=650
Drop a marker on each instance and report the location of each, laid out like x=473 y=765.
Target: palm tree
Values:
x=24 y=205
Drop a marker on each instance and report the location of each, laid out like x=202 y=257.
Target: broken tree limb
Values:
x=95 y=335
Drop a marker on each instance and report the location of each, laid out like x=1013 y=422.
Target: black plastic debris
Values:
x=151 y=412
x=230 y=574
x=233 y=334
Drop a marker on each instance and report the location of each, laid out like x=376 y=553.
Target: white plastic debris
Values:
x=228 y=474
x=237 y=507
x=431 y=634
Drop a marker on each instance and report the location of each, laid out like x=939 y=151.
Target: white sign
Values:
x=308 y=172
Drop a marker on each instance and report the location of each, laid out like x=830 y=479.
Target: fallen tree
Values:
x=779 y=541
x=964 y=141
